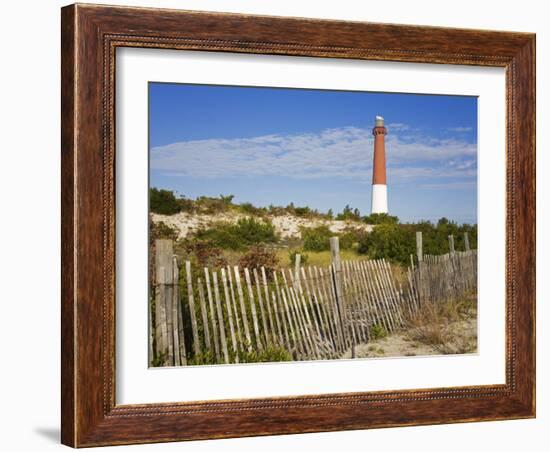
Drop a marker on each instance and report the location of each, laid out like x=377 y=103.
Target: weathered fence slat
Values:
x=191 y=299
x=243 y=309
x=177 y=316
x=235 y=308
x=230 y=316
x=212 y=314
x=221 y=322
x=261 y=304
x=204 y=316
x=253 y=309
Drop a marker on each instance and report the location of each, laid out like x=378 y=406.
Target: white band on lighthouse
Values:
x=379 y=198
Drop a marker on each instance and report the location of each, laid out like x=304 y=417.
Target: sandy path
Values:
x=463 y=334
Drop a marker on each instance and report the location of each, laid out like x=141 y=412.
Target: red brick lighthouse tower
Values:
x=379 y=187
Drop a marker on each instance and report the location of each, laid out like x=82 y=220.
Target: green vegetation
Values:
x=268 y=355
x=378 y=331
x=259 y=256
x=380 y=218
x=161 y=230
x=349 y=214
x=245 y=233
x=317 y=239
x=350 y=238
x=304 y=258
x=319 y=258
x=163 y=202
x=249 y=239
x=398 y=241
x=388 y=241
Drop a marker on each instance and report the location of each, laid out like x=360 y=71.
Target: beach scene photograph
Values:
x=301 y=224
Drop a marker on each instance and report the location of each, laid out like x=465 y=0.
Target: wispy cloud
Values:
x=344 y=152
x=460 y=129
x=398 y=126
x=468 y=185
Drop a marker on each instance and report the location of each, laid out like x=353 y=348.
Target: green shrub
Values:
x=398 y=241
x=316 y=239
x=388 y=241
x=250 y=209
x=253 y=231
x=350 y=238
x=380 y=218
x=292 y=257
x=270 y=354
x=259 y=256
x=302 y=211
x=163 y=202
x=349 y=214
x=246 y=232
x=205 y=253
x=161 y=230
x=377 y=331
x=210 y=205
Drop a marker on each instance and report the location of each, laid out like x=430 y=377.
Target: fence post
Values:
x=420 y=257
x=419 y=254
x=297 y=270
x=466 y=242
x=192 y=314
x=451 y=244
x=177 y=318
x=163 y=299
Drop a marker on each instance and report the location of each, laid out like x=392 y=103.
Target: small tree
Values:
x=163 y=202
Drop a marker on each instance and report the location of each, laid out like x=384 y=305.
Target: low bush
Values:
x=250 y=209
x=206 y=254
x=270 y=354
x=351 y=237
x=316 y=239
x=349 y=214
x=210 y=205
x=398 y=241
x=388 y=241
x=161 y=230
x=292 y=257
x=163 y=202
x=259 y=256
x=380 y=218
x=245 y=233
x=377 y=331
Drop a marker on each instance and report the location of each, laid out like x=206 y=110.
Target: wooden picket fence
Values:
x=225 y=314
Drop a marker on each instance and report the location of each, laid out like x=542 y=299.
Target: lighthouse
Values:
x=379 y=187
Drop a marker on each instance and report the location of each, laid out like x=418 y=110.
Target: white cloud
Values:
x=460 y=129
x=341 y=152
x=468 y=185
x=397 y=126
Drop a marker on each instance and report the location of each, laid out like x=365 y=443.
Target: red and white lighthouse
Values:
x=379 y=187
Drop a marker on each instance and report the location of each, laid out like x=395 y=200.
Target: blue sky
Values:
x=315 y=147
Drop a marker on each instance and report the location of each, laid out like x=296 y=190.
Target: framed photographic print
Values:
x=281 y=225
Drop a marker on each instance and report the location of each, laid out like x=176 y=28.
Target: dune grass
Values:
x=319 y=258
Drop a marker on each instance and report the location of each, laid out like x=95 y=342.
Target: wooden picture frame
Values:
x=90 y=36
